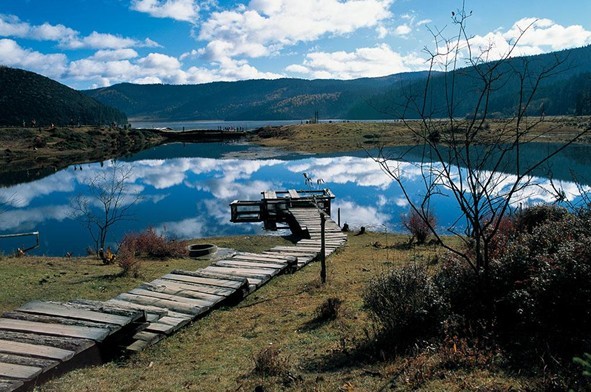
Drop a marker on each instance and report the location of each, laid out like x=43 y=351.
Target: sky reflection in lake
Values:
x=187 y=194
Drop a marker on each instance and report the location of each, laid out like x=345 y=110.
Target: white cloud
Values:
x=117 y=54
x=100 y=41
x=12 y=26
x=265 y=26
x=531 y=36
x=228 y=70
x=363 y=62
x=160 y=61
x=183 y=10
x=47 y=32
x=403 y=30
x=13 y=55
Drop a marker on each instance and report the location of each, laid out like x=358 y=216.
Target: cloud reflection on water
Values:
x=189 y=197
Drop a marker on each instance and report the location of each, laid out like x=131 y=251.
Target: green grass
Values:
x=217 y=353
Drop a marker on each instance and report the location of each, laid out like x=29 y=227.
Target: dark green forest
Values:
x=564 y=89
x=27 y=96
x=282 y=99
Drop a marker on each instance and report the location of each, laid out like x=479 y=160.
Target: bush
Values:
x=269 y=362
x=127 y=260
x=405 y=306
x=329 y=309
x=417 y=226
x=150 y=244
x=536 y=298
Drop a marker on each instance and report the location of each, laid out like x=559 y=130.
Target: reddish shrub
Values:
x=418 y=225
x=150 y=244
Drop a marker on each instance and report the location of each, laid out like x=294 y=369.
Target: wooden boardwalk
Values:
x=41 y=339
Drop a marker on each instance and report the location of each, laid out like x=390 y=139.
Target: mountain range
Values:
x=565 y=90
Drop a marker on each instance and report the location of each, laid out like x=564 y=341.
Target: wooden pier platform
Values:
x=42 y=339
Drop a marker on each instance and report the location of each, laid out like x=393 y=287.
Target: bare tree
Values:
x=481 y=166
x=108 y=201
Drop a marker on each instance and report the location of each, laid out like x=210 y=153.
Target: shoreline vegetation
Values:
x=32 y=153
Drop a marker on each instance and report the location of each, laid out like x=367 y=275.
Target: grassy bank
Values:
x=31 y=153
x=219 y=352
x=349 y=136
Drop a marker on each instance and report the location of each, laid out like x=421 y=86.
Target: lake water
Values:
x=186 y=190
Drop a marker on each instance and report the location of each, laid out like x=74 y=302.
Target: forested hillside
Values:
x=564 y=89
x=280 y=99
x=35 y=100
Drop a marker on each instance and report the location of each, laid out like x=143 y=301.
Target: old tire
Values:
x=200 y=250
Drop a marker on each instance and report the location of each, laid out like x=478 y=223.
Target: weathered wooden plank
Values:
x=178 y=289
x=160 y=311
x=41 y=318
x=194 y=287
x=318 y=241
x=35 y=350
x=293 y=249
x=250 y=264
x=257 y=272
x=152 y=301
x=140 y=345
x=67 y=343
x=96 y=334
x=171 y=297
x=175 y=321
x=200 y=273
x=302 y=257
x=103 y=307
x=160 y=328
x=263 y=257
x=218 y=282
x=293 y=194
x=43 y=363
x=55 y=309
x=147 y=336
x=7 y=385
x=21 y=372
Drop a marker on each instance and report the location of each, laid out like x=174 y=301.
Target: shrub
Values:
x=405 y=306
x=531 y=217
x=329 y=309
x=536 y=297
x=269 y=362
x=127 y=260
x=418 y=226
x=150 y=244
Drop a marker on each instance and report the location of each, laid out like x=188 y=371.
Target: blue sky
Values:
x=93 y=43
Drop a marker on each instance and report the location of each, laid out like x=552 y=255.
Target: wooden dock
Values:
x=43 y=339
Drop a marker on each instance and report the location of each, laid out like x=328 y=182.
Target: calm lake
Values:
x=186 y=190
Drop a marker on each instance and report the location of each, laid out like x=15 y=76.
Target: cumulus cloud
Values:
x=117 y=54
x=228 y=69
x=265 y=26
x=363 y=62
x=531 y=36
x=183 y=10
x=12 y=26
x=13 y=55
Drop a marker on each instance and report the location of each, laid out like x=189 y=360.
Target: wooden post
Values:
x=322 y=250
x=339 y=216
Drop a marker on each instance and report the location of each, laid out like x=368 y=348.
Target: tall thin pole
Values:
x=322 y=250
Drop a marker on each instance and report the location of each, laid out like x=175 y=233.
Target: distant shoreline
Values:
x=36 y=152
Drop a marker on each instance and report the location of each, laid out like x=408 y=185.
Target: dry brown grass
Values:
x=349 y=136
x=216 y=353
